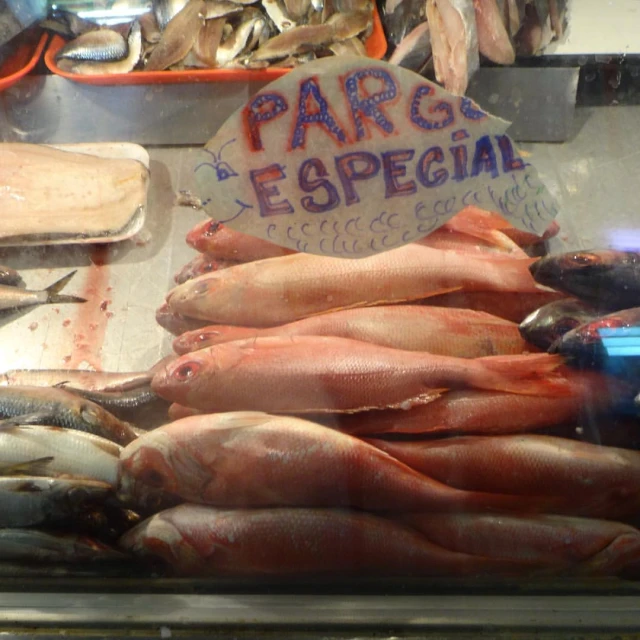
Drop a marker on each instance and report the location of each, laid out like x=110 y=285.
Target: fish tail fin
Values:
x=53 y=291
x=533 y=374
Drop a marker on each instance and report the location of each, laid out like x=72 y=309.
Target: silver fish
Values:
x=35 y=501
x=70 y=452
x=134 y=50
x=79 y=379
x=415 y=49
x=454 y=41
x=61 y=408
x=33 y=545
x=14 y=298
x=118 y=402
x=102 y=45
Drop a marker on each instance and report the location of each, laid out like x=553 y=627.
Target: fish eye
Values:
x=186 y=371
x=152 y=478
x=202 y=337
x=212 y=228
x=582 y=260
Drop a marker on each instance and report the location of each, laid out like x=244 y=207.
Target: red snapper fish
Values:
x=552 y=544
x=451 y=332
x=586 y=479
x=307 y=374
x=248 y=459
x=195 y=540
x=276 y=291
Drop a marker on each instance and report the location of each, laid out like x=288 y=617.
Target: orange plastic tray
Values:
x=376 y=47
x=28 y=51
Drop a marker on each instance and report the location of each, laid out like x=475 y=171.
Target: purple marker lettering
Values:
x=368 y=105
x=393 y=168
x=309 y=185
x=484 y=158
x=348 y=173
x=470 y=110
x=426 y=123
x=440 y=176
x=313 y=109
x=460 y=158
x=510 y=161
x=263 y=108
x=260 y=179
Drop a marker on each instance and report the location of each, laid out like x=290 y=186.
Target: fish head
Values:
x=184 y=378
x=549 y=323
x=198 y=236
x=587 y=344
x=146 y=468
x=80 y=495
x=584 y=273
x=159 y=538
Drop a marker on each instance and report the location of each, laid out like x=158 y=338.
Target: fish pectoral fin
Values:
x=29 y=468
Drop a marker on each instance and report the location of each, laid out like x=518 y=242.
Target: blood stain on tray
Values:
x=91 y=321
x=33 y=326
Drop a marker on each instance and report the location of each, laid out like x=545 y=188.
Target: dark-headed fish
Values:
x=14 y=298
x=549 y=323
x=31 y=501
x=610 y=342
x=33 y=545
x=58 y=407
x=607 y=278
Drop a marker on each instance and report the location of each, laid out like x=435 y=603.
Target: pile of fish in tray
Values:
x=381 y=416
x=450 y=35
x=226 y=34
x=378 y=417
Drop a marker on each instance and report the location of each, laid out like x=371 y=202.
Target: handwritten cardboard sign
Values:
x=350 y=157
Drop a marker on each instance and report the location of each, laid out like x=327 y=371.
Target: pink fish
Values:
x=201 y=541
x=552 y=544
x=280 y=290
x=202 y=263
x=586 y=479
x=307 y=374
x=452 y=332
x=248 y=459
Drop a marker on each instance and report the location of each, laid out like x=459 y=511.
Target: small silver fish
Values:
x=126 y=64
x=37 y=546
x=102 y=45
x=350 y=47
x=297 y=9
x=206 y=44
x=149 y=26
x=32 y=501
x=13 y=298
x=61 y=408
x=69 y=452
x=220 y=8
